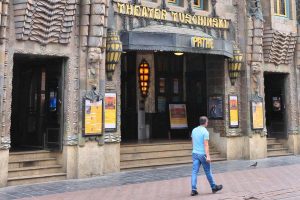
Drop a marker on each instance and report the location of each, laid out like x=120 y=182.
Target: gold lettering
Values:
x=151 y=12
x=163 y=15
x=215 y=23
x=201 y=20
x=226 y=23
x=201 y=42
x=156 y=13
x=121 y=7
x=129 y=9
x=209 y=22
x=174 y=15
x=144 y=12
x=221 y=23
x=188 y=18
x=194 y=19
x=181 y=17
x=137 y=10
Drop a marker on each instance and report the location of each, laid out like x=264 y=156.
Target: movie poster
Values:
x=233 y=111
x=215 y=107
x=93 y=118
x=110 y=111
x=178 y=116
x=257 y=115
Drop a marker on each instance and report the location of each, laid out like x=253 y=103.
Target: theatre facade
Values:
x=93 y=87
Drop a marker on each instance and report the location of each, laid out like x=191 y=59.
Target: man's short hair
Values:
x=203 y=120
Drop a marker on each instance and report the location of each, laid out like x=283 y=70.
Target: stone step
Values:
x=25 y=155
x=160 y=161
x=36 y=179
x=32 y=162
x=274 y=145
x=277 y=149
x=159 y=154
x=38 y=170
x=141 y=148
x=165 y=162
x=271 y=140
x=280 y=153
x=154 y=147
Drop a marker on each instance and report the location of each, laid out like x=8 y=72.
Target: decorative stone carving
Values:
x=5 y=143
x=3 y=19
x=213 y=11
x=93 y=94
x=189 y=8
x=44 y=21
x=254 y=7
x=256 y=71
x=112 y=138
x=94 y=61
x=72 y=140
x=279 y=47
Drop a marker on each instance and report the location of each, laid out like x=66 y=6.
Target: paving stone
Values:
x=237 y=175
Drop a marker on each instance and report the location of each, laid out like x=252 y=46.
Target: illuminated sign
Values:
x=171 y=16
x=202 y=42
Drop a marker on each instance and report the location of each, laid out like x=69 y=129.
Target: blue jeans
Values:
x=199 y=159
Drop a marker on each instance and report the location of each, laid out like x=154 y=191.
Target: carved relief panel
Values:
x=44 y=21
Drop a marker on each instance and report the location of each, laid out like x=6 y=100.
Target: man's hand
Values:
x=208 y=159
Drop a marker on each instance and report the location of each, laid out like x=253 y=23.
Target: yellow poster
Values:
x=257 y=115
x=233 y=111
x=178 y=117
x=110 y=111
x=93 y=117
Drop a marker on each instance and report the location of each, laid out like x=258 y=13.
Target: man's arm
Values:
x=206 y=146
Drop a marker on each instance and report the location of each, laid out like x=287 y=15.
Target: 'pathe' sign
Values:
x=178 y=17
x=202 y=42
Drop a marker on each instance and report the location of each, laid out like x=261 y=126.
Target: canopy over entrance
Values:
x=168 y=38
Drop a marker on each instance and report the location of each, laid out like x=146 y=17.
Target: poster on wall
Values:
x=215 y=107
x=276 y=103
x=178 y=116
x=257 y=115
x=162 y=85
x=93 y=117
x=233 y=111
x=110 y=111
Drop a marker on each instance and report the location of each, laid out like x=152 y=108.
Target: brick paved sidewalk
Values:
x=268 y=183
x=166 y=182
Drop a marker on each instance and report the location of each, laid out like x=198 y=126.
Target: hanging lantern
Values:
x=113 y=52
x=144 y=78
x=234 y=65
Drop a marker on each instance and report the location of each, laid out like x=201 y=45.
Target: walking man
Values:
x=200 y=155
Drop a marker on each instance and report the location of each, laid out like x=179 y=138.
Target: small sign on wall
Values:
x=257 y=114
x=93 y=117
x=110 y=111
x=215 y=107
x=178 y=116
x=233 y=111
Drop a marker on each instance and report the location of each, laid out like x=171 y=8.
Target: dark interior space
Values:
x=36 y=102
x=275 y=104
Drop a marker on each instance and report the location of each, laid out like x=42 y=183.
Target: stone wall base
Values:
x=243 y=147
x=4 y=154
x=111 y=158
x=293 y=144
x=90 y=160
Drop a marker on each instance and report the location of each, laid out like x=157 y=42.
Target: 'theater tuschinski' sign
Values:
x=170 y=16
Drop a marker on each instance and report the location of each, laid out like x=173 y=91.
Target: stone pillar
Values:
x=256 y=140
x=89 y=152
x=4 y=105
